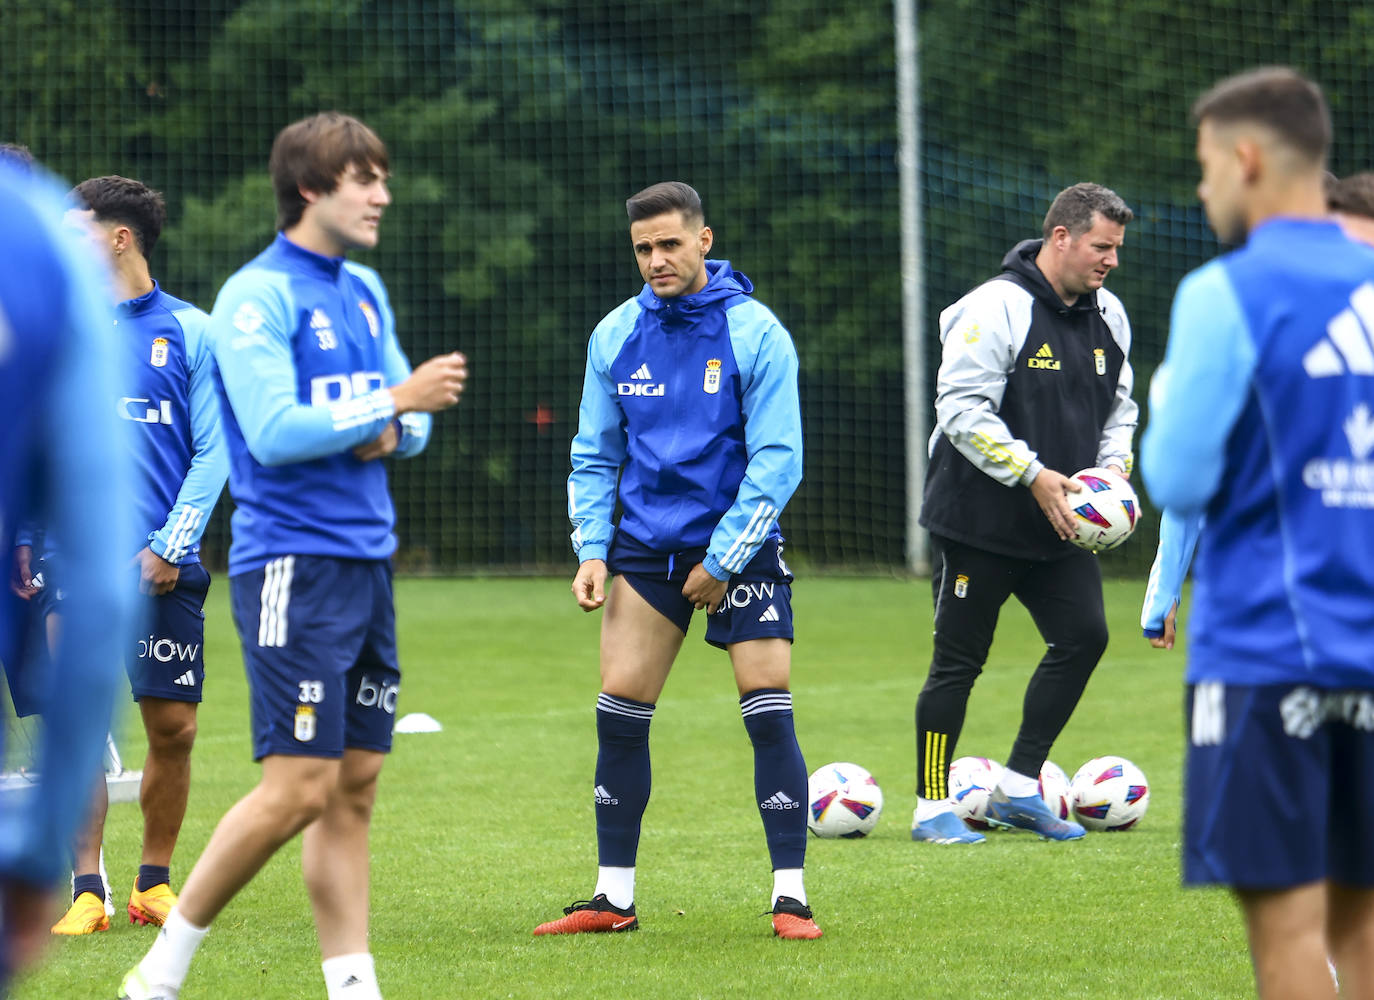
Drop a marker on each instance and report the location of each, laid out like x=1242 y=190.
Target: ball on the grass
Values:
x=1110 y=793
x=843 y=801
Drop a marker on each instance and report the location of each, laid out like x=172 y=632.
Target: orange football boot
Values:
x=592 y=916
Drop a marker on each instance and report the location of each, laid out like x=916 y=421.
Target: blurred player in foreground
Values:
x=1263 y=425
x=690 y=420
x=60 y=462
x=180 y=465
x=1034 y=385
x=314 y=391
x=1351 y=203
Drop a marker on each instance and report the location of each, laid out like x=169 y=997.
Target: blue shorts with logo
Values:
x=319 y=646
x=757 y=603
x=168 y=655
x=1277 y=786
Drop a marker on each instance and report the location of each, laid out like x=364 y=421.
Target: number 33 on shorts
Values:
x=311 y=694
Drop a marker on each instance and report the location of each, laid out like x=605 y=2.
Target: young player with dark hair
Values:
x=1262 y=424
x=1034 y=385
x=314 y=390
x=690 y=421
x=180 y=461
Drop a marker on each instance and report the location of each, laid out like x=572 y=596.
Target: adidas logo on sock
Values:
x=351 y=981
x=779 y=800
x=603 y=797
x=770 y=615
x=642 y=372
x=187 y=679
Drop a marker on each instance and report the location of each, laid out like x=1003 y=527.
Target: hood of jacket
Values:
x=722 y=282
x=1020 y=261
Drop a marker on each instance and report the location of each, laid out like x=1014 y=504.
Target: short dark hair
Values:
x=668 y=196
x=1353 y=195
x=1280 y=99
x=127 y=202
x=1074 y=207
x=16 y=155
x=313 y=154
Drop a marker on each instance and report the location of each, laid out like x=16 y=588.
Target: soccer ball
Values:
x=844 y=801
x=1109 y=793
x=1054 y=789
x=971 y=781
x=1104 y=511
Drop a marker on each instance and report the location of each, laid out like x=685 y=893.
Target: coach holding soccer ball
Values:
x=1034 y=384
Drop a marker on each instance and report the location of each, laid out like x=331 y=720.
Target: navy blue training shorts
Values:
x=757 y=603
x=1276 y=791
x=319 y=646
x=167 y=659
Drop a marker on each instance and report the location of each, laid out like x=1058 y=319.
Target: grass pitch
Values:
x=486 y=829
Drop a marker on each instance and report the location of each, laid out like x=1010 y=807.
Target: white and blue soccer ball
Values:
x=843 y=800
x=1110 y=793
x=1105 y=510
x=971 y=781
x=1055 y=790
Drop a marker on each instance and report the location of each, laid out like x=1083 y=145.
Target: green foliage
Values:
x=486 y=829
x=518 y=127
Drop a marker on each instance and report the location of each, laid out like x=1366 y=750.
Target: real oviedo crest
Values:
x=711 y=382
x=159 y=358
x=1100 y=360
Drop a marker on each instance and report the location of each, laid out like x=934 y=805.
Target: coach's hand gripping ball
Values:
x=1105 y=510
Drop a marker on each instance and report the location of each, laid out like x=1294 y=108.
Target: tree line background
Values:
x=517 y=128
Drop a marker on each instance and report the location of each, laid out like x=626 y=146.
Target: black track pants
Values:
x=970 y=585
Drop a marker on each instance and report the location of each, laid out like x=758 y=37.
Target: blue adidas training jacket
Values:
x=1263 y=424
x=689 y=417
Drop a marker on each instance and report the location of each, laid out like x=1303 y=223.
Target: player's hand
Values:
x=1120 y=472
x=435 y=385
x=27 y=913
x=704 y=590
x=380 y=446
x=1166 y=641
x=1051 y=490
x=155 y=574
x=589 y=585
x=21 y=572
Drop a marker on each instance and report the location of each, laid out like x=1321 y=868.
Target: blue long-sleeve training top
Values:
x=63 y=463
x=1262 y=422
x=690 y=417
x=167 y=393
x=305 y=349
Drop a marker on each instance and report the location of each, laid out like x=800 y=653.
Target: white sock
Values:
x=927 y=809
x=788 y=882
x=173 y=948
x=1017 y=785
x=351 y=977
x=618 y=884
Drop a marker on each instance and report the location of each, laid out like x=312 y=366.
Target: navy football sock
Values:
x=88 y=883
x=151 y=875
x=779 y=774
x=622 y=777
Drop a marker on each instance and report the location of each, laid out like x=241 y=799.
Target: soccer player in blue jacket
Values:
x=167 y=394
x=690 y=421
x=1263 y=427
x=1351 y=203
x=314 y=390
x=61 y=462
